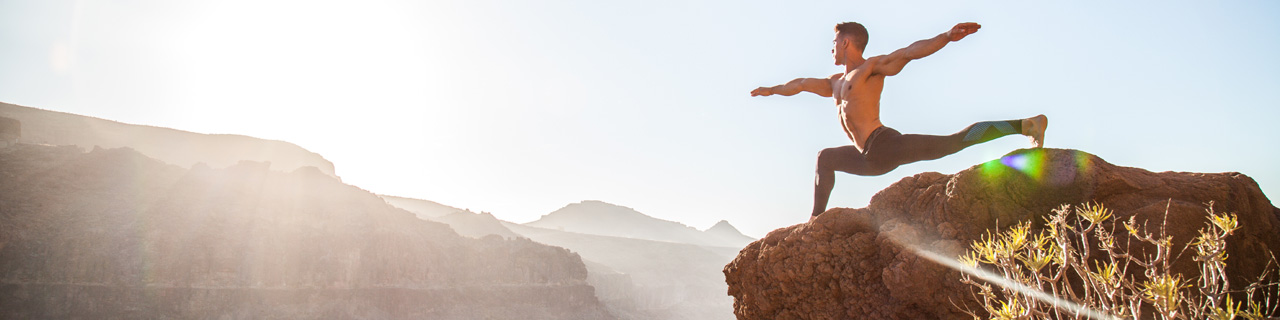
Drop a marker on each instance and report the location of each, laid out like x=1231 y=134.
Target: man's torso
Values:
x=857 y=95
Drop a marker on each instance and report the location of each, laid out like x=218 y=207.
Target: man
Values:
x=878 y=149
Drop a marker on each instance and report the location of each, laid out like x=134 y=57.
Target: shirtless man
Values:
x=878 y=149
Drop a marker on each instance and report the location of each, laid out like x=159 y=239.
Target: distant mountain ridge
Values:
x=114 y=234
x=425 y=209
x=602 y=218
x=636 y=279
x=641 y=279
x=177 y=147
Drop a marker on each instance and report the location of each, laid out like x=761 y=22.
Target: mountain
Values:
x=646 y=279
x=634 y=278
x=425 y=209
x=864 y=263
x=177 y=147
x=464 y=222
x=113 y=233
x=600 y=218
x=477 y=225
x=726 y=233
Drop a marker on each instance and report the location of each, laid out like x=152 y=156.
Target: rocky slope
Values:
x=116 y=234
x=851 y=263
x=172 y=146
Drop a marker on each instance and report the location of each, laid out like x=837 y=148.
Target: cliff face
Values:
x=177 y=147
x=851 y=263
x=115 y=234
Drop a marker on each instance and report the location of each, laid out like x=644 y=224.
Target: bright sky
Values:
x=521 y=107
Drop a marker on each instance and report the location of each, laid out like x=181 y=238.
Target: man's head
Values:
x=849 y=35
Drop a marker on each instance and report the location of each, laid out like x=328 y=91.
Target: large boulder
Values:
x=855 y=263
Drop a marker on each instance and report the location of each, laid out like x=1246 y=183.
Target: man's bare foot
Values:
x=1033 y=128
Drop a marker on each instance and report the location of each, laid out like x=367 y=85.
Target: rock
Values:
x=853 y=263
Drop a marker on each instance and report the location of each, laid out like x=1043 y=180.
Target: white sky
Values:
x=521 y=107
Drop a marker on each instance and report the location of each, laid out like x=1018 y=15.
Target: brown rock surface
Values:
x=115 y=234
x=851 y=263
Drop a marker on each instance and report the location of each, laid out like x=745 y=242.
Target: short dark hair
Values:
x=855 y=30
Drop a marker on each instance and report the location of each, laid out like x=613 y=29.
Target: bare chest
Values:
x=855 y=88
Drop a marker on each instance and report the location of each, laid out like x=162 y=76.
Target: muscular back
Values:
x=857 y=96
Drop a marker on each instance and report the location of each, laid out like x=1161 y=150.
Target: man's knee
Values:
x=827 y=159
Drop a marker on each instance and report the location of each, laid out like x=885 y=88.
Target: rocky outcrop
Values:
x=851 y=263
x=115 y=234
x=176 y=147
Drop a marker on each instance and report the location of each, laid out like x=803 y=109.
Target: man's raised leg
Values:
x=910 y=148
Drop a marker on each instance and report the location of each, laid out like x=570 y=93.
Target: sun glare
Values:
x=281 y=59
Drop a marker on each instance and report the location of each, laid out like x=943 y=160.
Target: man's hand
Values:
x=762 y=91
x=961 y=30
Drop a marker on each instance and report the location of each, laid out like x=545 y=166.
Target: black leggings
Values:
x=887 y=149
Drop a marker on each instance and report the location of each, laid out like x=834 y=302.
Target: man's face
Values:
x=838 y=48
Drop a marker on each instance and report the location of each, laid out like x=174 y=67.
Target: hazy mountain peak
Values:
x=726 y=233
x=588 y=208
x=602 y=218
x=596 y=211
x=723 y=226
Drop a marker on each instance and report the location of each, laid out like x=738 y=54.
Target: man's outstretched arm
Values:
x=818 y=86
x=893 y=63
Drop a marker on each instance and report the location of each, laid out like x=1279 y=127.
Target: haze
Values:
x=520 y=107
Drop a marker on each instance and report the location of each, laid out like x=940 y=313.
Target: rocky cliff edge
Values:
x=851 y=263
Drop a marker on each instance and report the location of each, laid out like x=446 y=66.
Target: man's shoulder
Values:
x=872 y=62
x=868 y=68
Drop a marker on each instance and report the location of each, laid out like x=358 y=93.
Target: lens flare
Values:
x=912 y=245
x=1083 y=162
x=1030 y=163
x=1061 y=304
